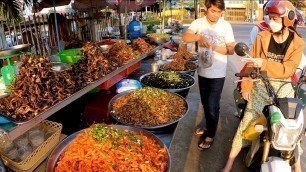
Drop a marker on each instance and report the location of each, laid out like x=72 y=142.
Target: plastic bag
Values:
x=128 y=84
x=205 y=57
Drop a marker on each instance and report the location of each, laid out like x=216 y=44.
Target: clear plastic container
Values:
x=11 y=152
x=22 y=141
x=4 y=140
x=154 y=67
x=24 y=152
x=36 y=137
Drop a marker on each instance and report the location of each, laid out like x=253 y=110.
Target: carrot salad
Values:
x=103 y=148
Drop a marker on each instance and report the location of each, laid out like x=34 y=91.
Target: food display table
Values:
x=22 y=128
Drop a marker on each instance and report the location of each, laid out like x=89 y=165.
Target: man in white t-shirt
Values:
x=170 y=21
x=216 y=34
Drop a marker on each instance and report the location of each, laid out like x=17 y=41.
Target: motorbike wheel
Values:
x=256 y=161
x=253 y=155
x=240 y=103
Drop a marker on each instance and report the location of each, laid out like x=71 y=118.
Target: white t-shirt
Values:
x=220 y=34
x=170 y=21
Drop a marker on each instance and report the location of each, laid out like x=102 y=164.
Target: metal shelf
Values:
x=22 y=128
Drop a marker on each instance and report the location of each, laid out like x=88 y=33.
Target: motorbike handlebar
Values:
x=242 y=74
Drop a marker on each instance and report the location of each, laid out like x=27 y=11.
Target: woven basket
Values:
x=41 y=151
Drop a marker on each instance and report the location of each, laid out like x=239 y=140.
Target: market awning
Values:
x=49 y=3
x=84 y=5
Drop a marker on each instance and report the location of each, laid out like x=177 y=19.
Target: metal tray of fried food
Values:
x=14 y=50
x=110 y=108
x=184 y=71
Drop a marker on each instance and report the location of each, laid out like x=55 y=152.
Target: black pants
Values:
x=210 y=91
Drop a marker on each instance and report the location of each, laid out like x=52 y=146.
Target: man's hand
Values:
x=204 y=42
x=246 y=96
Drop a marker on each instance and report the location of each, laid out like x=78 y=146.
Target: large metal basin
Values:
x=61 y=147
x=105 y=47
x=154 y=128
x=158 y=39
x=173 y=90
x=14 y=50
x=59 y=66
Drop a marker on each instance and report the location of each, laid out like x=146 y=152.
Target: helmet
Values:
x=284 y=8
x=299 y=18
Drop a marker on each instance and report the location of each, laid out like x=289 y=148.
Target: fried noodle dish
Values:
x=103 y=148
x=148 y=107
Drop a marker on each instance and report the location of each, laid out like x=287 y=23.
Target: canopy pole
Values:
x=196 y=17
x=171 y=12
x=163 y=23
x=125 y=24
x=56 y=28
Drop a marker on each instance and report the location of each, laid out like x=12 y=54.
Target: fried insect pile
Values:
x=182 y=53
x=180 y=61
x=92 y=66
x=36 y=88
x=122 y=51
x=142 y=46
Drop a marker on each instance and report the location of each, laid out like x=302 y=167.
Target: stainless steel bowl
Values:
x=159 y=40
x=59 y=66
x=14 y=49
x=110 y=108
x=104 y=48
x=170 y=89
x=61 y=147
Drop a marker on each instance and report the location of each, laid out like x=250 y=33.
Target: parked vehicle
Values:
x=276 y=148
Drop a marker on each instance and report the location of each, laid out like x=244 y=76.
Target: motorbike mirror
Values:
x=241 y=49
x=259 y=128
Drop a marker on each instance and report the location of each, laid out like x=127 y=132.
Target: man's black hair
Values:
x=218 y=3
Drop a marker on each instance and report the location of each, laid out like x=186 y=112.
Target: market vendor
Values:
x=134 y=29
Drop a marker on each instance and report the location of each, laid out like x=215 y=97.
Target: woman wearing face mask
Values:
x=277 y=51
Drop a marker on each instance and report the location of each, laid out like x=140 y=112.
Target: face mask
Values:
x=274 y=26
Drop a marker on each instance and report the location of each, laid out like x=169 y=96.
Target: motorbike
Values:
x=275 y=147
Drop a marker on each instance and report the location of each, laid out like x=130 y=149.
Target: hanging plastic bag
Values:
x=205 y=57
